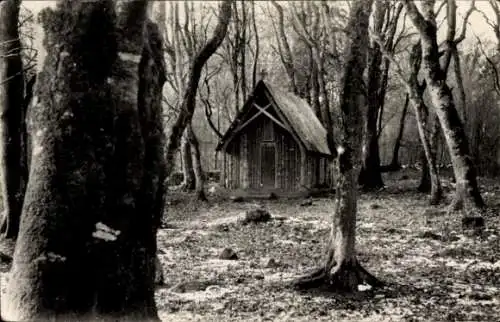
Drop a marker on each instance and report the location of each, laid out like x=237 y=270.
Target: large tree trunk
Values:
x=13 y=169
x=87 y=238
x=189 y=96
x=467 y=190
x=197 y=167
x=341 y=268
x=370 y=177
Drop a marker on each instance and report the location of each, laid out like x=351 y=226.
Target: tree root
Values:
x=186 y=187
x=201 y=196
x=436 y=197
x=424 y=187
x=344 y=278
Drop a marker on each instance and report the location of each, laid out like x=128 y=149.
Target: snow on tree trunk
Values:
x=341 y=268
x=13 y=170
x=467 y=190
x=87 y=239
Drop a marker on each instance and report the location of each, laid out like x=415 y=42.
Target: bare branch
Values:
x=464 y=24
x=492 y=64
x=415 y=15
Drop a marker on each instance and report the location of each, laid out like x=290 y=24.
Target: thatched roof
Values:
x=294 y=111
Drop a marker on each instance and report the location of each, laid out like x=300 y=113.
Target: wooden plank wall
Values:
x=233 y=163
x=288 y=161
x=254 y=136
x=244 y=170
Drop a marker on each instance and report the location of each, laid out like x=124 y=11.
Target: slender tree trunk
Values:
x=189 y=96
x=13 y=169
x=314 y=85
x=460 y=83
x=425 y=176
x=341 y=268
x=370 y=177
x=467 y=189
x=257 y=47
x=189 y=180
x=243 y=52
x=383 y=90
x=87 y=238
x=197 y=167
x=428 y=184
x=415 y=91
x=394 y=165
x=286 y=52
x=390 y=32
x=430 y=176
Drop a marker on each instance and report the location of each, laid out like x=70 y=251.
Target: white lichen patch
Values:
x=37 y=149
x=50 y=257
x=105 y=232
x=34 y=101
x=64 y=54
x=40 y=132
x=128 y=200
x=67 y=114
x=129 y=57
x=364 y=287
x=53 y=257
x=99 y=234
x=58 y=98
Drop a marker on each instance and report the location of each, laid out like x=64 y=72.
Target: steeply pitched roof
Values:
x=297 y=113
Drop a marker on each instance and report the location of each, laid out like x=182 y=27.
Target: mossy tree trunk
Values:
x=467 y=189
x=13 y=161
x=341 y=268
x=87 y=239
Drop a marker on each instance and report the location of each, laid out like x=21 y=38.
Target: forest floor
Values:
x=433 y=271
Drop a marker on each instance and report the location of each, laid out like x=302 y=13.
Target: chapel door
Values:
x=268 y=165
